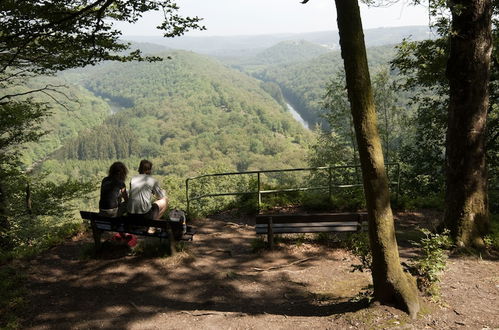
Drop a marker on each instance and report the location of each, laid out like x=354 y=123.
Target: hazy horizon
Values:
x=269 y=34
x=224 y=18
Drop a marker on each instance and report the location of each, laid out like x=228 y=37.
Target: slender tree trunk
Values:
x=468 y=70
x=5 y=242
x=391 y=284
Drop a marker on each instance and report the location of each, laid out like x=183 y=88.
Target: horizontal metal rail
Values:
x=259 y=192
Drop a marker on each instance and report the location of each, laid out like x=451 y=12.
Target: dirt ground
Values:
x=221 y=283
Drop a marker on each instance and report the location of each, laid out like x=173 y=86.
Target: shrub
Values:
x=429 y=266
x=358 y=245
x=492 y=239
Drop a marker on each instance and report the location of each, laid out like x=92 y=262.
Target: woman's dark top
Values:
x=110 y=193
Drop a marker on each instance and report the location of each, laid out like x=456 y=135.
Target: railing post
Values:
x=259 y=194
x=330 y=172
x=187 y=198
x=270 y=233
x=398 y=183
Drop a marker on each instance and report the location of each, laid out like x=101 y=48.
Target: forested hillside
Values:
x=281 y=53
x=189 y=114
x=303 y=82
x=72 y=109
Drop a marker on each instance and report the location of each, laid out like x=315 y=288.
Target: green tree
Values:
x=391 y=284
x=468 y=71
x=441 y=139
x=39 y=37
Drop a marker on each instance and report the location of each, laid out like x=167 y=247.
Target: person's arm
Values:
x=158 y=192
x=124 y=194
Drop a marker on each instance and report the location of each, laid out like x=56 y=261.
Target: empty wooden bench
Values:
x=271 y=224
x=168 y=230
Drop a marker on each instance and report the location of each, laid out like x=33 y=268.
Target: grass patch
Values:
x=428 y=202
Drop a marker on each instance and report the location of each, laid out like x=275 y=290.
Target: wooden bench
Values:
x=168 y=230
x=271 y=224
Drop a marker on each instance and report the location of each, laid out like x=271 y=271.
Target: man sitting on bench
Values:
x=142 y=188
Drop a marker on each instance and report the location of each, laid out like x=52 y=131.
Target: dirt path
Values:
x=222 y=284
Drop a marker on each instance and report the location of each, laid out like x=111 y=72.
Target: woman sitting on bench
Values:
x=113 y=195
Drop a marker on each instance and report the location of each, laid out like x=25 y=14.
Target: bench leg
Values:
x=97 y=233
x=270 y=234
x=171 y=241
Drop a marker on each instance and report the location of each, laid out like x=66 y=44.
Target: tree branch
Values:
x=48 y=87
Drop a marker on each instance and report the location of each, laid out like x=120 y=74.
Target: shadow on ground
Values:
x=221 y=273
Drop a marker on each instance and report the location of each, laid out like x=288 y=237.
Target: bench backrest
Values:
x=105 y=222
x=311 y=223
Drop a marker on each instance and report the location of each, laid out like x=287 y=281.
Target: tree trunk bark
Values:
x=468 y=71
x=5 y=242
x=391 y=284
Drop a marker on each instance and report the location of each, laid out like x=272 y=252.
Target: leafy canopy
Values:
x=42 y=37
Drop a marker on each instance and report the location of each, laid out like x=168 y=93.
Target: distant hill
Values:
x=288 y=52
x=252 y=44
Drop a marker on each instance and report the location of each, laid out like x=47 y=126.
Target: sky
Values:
x=253 y=17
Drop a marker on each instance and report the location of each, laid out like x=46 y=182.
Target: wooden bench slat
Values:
x=290 y=230
x=130 y=220
x=271 y=224
x=310 y=224
x=319 y=217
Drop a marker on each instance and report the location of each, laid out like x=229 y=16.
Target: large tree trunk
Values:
x=468 y=70
x=391 y=284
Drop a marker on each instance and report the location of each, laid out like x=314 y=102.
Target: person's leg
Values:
x=162 y=206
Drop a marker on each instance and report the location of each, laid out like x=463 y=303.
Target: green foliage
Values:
x=46 y=220
x=12 y=296
x=422 y=65
x=430 y=201
x=424 y=155
x=315 y=201
x=40 y=37
x=190 y=116
x=358 y=245
x=303 y=82
x=191 y=113
x=492 y=239
x=20 y=122
x=432 y=261
x=287 y=52
x=348 y=199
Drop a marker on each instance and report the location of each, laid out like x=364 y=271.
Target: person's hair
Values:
x=145 y=167
x=118 y=170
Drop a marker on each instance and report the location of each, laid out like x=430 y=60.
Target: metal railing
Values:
x=259 y=182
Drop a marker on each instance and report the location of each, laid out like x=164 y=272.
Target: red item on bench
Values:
x=128 y=239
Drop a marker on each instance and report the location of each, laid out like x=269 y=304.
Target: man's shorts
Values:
x=153 y=212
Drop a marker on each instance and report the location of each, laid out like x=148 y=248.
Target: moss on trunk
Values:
x=468 y=70
x=391 y=284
